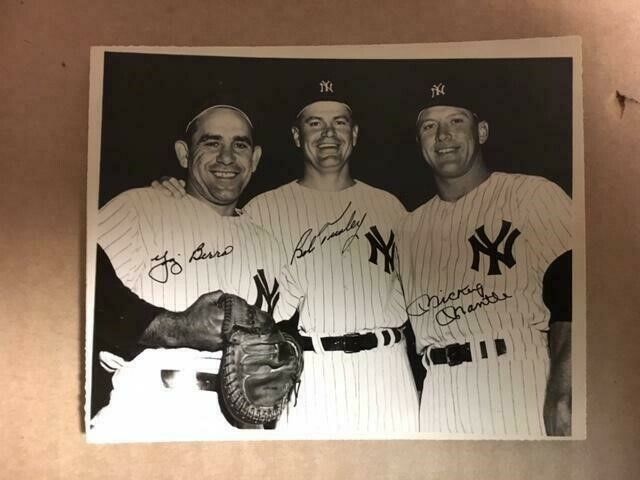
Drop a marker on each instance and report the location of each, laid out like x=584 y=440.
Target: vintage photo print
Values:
x=353 y=242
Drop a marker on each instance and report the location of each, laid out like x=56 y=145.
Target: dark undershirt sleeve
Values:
x=557 y=290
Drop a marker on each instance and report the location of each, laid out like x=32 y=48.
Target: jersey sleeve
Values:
x=401 y=261
x=285 y=293
x=397 y=208
x=289 y=291
x=395 y=305
x=254 y=209
x=291 y=295
x=549 y=221
x=119 y=236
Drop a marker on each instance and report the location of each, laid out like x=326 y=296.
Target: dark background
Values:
x=149 y=99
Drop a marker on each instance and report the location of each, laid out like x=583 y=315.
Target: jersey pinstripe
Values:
x=472 y=271
x=340 y=270
x=340 y=251
x=169 y=252
x=437 y=256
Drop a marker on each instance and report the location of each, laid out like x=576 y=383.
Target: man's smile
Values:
x=446 y=150
x=224 y=174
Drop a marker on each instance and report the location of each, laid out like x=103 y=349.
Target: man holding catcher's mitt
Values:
x=260 y=366
x=197 y=259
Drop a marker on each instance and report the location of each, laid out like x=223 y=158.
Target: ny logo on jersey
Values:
x=326 y=86
x=437 y=90
x=270 y=296
x=481 y=244
x=388 y=249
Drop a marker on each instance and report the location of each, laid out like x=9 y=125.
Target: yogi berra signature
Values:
x=307 y=242
x=170 y=266
x=448 y=314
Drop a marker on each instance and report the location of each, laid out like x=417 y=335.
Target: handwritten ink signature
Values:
x=308 y=242
x=170 y=266
x=200 y=254
x=447 y=314
x=160 y=272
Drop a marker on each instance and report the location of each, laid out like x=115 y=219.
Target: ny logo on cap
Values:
x=326 y=86
x=437 y=90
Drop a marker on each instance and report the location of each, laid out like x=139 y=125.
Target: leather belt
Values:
x=189 y=380
x=457 y=353
x=354 y=342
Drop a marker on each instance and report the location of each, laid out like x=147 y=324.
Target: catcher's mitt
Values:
x=260 y=367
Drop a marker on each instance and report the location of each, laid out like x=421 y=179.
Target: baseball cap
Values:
x=452 y=92
x=328 y=88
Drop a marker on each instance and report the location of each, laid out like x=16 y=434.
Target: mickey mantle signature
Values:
x=307 y=242
x=449 y=313
x=170 y=266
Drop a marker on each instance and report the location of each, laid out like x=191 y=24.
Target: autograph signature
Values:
x=200 y=254
x=449 y=313
x=160 y=272
x=307 y=242
x=170 y=266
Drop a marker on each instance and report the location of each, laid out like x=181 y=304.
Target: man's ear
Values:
x=255 y=157
x=295 y=131
x=483 y=131
x=182 y=152
x=354 y=134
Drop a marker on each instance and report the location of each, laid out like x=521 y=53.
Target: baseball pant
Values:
x=142 y=408
x=370 y=391
x=494 y=396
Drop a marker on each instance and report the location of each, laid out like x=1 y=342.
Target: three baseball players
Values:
x=485 y=267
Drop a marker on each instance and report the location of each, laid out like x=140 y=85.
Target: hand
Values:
x=203 y=322
x=557 y=416
x=557 y=402
x=199 y=326
x=171 y=187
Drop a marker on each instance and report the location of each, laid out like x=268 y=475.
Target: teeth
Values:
x=446 y=150
x=224 y=174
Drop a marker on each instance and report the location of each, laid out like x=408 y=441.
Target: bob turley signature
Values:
x=329 y=231
x=165 y=265
x=445 y=313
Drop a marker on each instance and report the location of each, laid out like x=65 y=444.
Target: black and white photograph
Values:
x=352 y=242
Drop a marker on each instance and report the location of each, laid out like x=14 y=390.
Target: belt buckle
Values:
x=453 y=353
x=349 y=343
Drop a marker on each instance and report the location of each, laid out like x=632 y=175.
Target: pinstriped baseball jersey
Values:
x=474 y=268
x=339 y=249
x=170 y=251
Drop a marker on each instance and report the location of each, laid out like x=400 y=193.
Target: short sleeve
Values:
x=120 y=237
x=398 y=207
x=400 y=254
x=549 y=222
x=254 y=209
x=291 y=295
x=288 y=288
x=287 y=292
